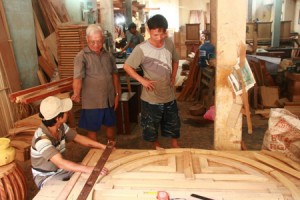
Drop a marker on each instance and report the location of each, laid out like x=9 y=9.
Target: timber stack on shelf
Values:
x=263 y=31
x=71 y=38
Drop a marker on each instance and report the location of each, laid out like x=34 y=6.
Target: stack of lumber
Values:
x=265 y=93
x=54 y=13
x=21 y=136
x=46 y=61
x=9 y=76
x=9 y=65
x=71 y=38
x=6 y=108
x=40 y=92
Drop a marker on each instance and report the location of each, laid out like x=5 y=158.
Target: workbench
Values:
x=139 y=174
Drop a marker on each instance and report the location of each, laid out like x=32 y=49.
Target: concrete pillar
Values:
x=128 y=4
x=228 y=32
x=19 y=15
x=249 y=11
x=276 y=23
x=107 y=15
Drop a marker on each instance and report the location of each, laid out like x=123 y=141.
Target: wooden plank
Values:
x=179 y=176
x=130 y=194
x=192 y=78
x=33 y=120
x=70 y=185
x=52 y=44
x=169 y=167
x=263 y=112
x=50 y=27
x=13 y=96
x=45 y=94
x=245 y=93
x=6 y=109
x=6 y=49
x=277 y=164
x=41 y=77
x=15 y=131
x=234 y=114
x=197 y=184
x=42 y=46
x=22 y=150
x=287 y=183
x=293 y=109
x=283 y=158
x=188 y=165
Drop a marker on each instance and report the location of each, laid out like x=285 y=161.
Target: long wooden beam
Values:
x=50 y=88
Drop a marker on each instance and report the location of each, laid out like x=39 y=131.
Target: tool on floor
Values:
x=95 y=173
x=200 y=197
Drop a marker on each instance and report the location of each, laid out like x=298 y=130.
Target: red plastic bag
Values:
x=210 y=114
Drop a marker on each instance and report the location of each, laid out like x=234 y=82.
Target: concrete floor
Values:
x=195 y=133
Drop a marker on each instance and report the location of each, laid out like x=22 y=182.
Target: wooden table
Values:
x=139 y=174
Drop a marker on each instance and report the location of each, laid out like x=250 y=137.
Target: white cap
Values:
x=52 y=106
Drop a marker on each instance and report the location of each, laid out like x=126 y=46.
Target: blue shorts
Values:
x=164 y=116
x=93 y=119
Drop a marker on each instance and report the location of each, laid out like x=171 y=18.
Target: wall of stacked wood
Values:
x=9 y=76
x=71 y=38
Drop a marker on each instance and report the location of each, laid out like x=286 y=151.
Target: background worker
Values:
x=49 y=142
x=96 y=84
x=134 y=38
x=159 y=61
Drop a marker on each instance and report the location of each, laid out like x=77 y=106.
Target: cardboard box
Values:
x=269 y=96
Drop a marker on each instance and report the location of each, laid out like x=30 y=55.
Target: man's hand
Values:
x=90 y=169
x=117 y=98
x=75 y=98
x=104 y=171
x=148 y=84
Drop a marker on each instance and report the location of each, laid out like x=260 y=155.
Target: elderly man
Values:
x=96 y=79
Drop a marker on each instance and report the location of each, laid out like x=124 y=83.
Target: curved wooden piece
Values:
x=22 y=181
x=283 y=158
x=3 y=195
x=15 y=187
x=12 y=183
x=8 y=187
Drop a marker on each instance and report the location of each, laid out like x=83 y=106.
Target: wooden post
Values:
x=228 y=31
